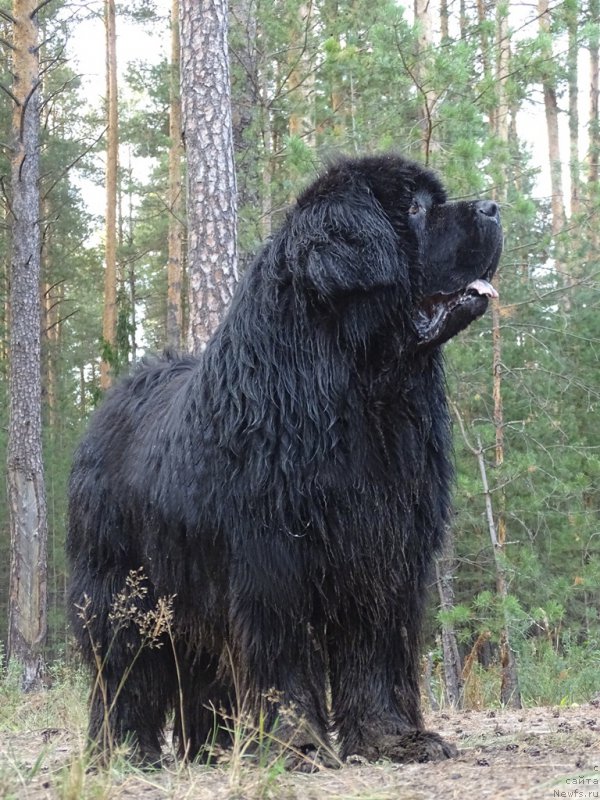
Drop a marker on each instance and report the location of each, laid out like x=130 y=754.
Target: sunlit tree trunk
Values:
x=572 y=8
x=338 y=111
x=594 y=123
x=551 y=111
x=211 y=189
x=25 y=476
x=267 y=172
x=175 y=232
x=501 y=122
x=109 y=319
x=484 y=44
x=424 y=20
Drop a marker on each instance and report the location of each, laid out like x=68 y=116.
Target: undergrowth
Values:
x=44 y=753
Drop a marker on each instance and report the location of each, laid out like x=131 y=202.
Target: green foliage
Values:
x=456 y=617
x=558 y=676
x=316 y=80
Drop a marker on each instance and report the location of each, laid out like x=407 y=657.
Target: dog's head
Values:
x=459 y=245
x=383 y=224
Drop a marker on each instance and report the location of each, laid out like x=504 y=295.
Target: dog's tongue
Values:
x=483 y=287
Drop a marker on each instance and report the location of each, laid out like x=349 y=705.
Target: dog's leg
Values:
x=133 y=679
x=129 y=707
x=277 y=660
x=204 y=716
x=375 y=689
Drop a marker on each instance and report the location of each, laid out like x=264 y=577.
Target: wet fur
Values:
x=290 y=487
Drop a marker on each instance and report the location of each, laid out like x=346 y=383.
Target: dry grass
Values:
x=503 y=755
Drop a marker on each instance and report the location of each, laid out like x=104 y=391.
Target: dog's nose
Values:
x=489 y=208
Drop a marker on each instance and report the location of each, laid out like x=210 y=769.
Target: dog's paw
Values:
x=403 y=748
x=417 y=746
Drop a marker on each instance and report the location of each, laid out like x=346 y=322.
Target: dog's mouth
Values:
x=442 y=316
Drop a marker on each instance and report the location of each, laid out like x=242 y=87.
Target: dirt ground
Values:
x=536 y=753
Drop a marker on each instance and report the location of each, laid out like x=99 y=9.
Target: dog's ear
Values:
x=345 y=244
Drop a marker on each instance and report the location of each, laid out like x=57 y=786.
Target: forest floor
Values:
x=535 y=753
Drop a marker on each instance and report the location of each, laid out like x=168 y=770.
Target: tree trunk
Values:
x=556 y=185
x=51 y=330
x=501 y=121
x=594 y=123
x=25 y=476
x=51 y=297
x=464 y=21
x=337 y=116
x=444 y=573
x=572 y=74
x=509 y=690
x=109 y=319
x=444 y=20
x=484 y=46
x=211 y=189
x=551 y=111
x=301 y=80
x=268 y=169
x=175 y=233
x=247 y=108
x=424 y=22
x=510 y=694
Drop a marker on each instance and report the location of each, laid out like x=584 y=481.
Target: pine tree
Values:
x=25 y=474
x=175 y=236
x=211 y=193
x=109 y=320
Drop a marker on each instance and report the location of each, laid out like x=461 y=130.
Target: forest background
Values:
x=502 y=99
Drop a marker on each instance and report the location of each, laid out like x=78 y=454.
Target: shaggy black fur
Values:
x=292 y=484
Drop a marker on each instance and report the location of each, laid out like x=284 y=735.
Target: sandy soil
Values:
x=536 y=753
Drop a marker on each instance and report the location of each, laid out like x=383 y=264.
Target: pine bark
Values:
x=551 y=112
x=25 y=475
x=109 y=319
x=573 y=81
x=51 y=329
x=247 y=109
x=211 y=187
x=594 y=117
x=175 y=232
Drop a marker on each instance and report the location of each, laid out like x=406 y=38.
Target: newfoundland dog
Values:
x=251 y=531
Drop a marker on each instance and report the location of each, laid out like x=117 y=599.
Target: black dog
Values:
x=289 y=487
